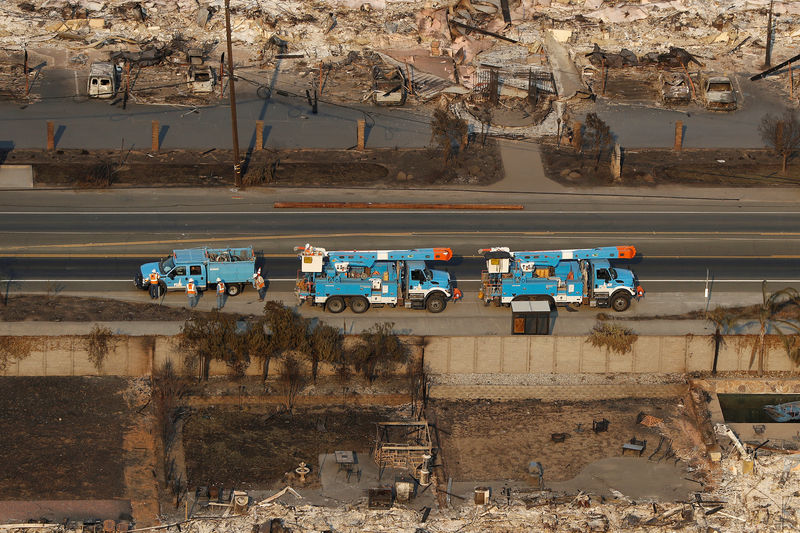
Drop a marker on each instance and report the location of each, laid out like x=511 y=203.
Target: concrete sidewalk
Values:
x=554 y=393
x=466 y=318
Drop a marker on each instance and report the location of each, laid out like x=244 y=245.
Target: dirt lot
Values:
x=62 y=438
x=253 y=450
x=485 y=440
x=73 y=309
x=651 y=167
x=320 y=168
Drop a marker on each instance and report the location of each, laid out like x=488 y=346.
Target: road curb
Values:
x=393 y=205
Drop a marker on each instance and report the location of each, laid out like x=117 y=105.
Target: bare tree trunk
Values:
x=265 y=374
x=785 y=157
x=761 y=347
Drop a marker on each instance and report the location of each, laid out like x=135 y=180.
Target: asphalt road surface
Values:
x=84 y=123
x=99 y=249
x=105 y=274
x=96 y=124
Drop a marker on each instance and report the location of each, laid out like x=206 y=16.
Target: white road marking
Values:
x=401 y=211
x=130 y=280
x=719 y=280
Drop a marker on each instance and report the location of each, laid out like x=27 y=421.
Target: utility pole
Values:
x=237 y=169
x=767 y=58
x=25 y=68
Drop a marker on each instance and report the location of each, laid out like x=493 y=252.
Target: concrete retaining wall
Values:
x=569 y=355
x=137 y=356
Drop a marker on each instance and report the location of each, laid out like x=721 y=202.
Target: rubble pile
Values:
x=462 y=29
x=520 y=58
x=741 y=502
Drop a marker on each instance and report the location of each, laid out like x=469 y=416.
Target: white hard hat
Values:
x=154 y=271
x=191 y=279
x=218 y=279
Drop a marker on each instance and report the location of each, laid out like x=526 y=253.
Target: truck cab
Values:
x=610 y=286
x=174 y=275
x=234 y=266
x=424 y=282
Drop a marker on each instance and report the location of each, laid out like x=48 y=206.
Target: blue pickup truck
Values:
x=234 y=266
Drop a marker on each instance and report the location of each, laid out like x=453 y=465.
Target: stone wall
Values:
x=570 y=355
x=137 y=356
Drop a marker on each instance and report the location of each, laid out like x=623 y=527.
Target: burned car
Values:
x=718 y=93
x=200 y=76
x=675 y=88
x=388 y=86
x=102 y=80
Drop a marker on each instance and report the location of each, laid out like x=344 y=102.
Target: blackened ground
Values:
x=651 y=167
x=62 y=437
x=477 y=164
x=253 y=450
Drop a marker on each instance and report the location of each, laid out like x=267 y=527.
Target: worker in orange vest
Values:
x=220 y=293
x=260 y=285
x=191 y=292
x=155 y=288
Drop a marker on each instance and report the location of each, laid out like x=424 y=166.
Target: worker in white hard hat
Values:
x=220 y=293
x=155 y=288
x=260 y=285
x=191 y=292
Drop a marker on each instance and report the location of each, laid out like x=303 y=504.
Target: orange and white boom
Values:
x=368 y=257
x=553 y=257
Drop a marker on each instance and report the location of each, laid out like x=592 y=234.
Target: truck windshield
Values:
x=613 y=273
x=167 y=265
x=428 y=273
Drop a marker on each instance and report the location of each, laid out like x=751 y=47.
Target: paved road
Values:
x=49 y=240
x=659 y=275
x=83 y=123
x=73 y=239
x=289 y=123
x=666 y=233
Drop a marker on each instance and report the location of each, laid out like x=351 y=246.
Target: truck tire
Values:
x=162 y=288
x=234 y=289
x=436 y=303
x=620 y=301
x=335 y=304
x=359 y=304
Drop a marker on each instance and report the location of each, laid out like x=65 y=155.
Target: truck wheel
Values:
x=359 y=304
x=620 y=302
x=233 y=289
x=436 y=303
x=335 y=304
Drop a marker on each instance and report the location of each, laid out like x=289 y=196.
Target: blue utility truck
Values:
x=360 y=279
x=561 y=277
x=234 y=266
